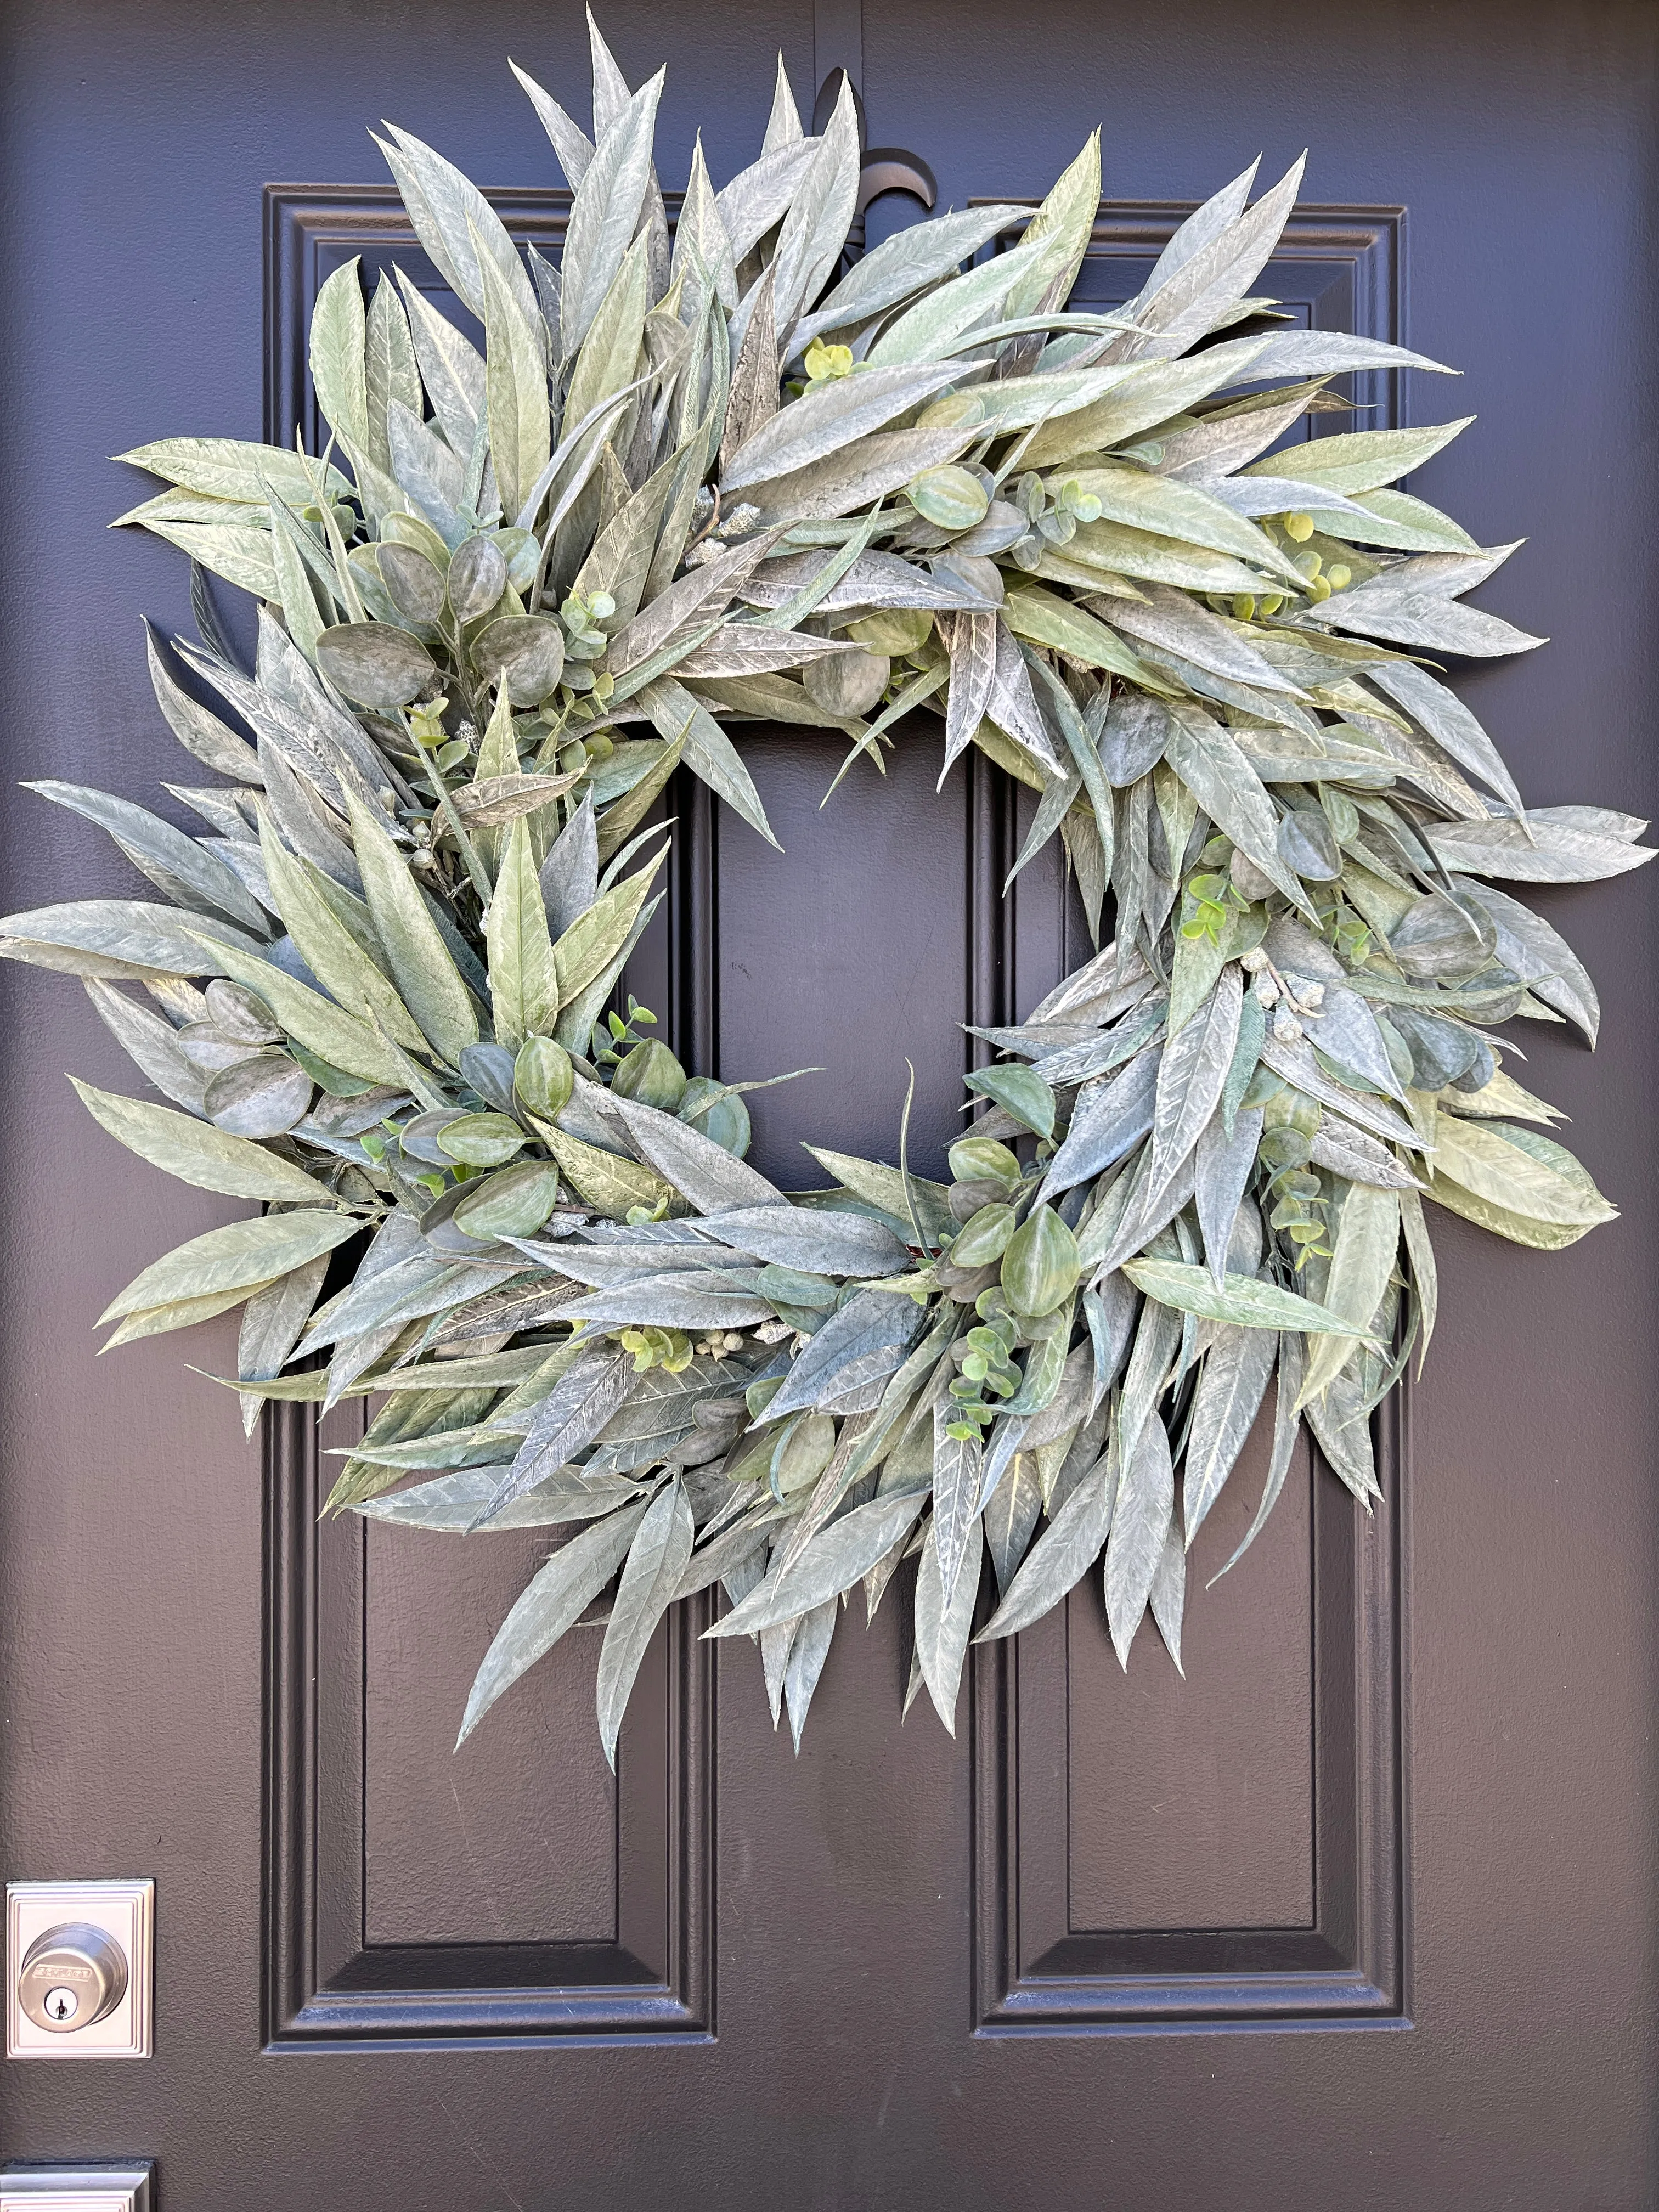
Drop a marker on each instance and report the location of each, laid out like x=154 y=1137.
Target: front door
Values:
x=1360 y=1913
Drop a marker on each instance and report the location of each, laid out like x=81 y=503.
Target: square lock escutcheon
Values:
x=80 y=1969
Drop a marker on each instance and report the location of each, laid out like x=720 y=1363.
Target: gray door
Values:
x=1361 y=1913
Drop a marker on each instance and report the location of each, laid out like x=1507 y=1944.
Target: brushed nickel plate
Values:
x=75 y=2189
x=125 y=1911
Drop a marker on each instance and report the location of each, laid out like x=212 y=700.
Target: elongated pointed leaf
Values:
x=1231 y=1388
x=515 y=386
x=605 y=213
x=656 y=1561
x=426 y=977
x=944 y=1625
x=846 y=1363
x=1140 y=1524
x=555 y=1598
x=836 y=1558
x=817 y=1239
x=1242 y=1300
x=1061 y=1556
x=831 y=417
x=683 y=719
x=197 y=1153
x=1367 y=1238
x=455 y=223
x=524 y=986
x=238 y=1257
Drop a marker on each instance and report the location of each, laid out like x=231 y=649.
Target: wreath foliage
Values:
x=735 y=475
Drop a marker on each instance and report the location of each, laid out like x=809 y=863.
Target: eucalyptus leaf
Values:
x=556 y=1596
x=651 y=1574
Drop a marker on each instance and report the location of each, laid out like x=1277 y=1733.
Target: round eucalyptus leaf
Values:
x=376 y=663
x=514 y=1202
x=480 y=1140
x=240 y=1014
x=263 y=1096
x=719 y=1113
x=1441 y=940
x=1247 y=879
x=405 y=529
x=204 y=1044
x=489 y=1069
x=847 y=682
x=1004 y=526
x=336 y=1116
x=477 y=577
x=956 y=410
x=521 y=550
x=1021 y=1091
x=1132 y=744
x=523 y=652
x=983 y=1159
x=960 y=567
x=413 y=585
x=1307 y=845
x=542 y=1077
x=1040 y=1264
x=1481 y=1070
x=893 y=630
x=652 y=1074
x=950 y=497
x=419 y=1137
x=972 y=1197
x=1441 y=1051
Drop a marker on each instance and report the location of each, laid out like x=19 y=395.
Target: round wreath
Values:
x=733 y=477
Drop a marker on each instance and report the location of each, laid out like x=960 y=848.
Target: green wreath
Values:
x=732 y=477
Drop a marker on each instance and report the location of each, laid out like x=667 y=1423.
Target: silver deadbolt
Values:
x=80 y=1970
x=72 y=1975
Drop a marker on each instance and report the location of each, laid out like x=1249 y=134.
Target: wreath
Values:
x=732 y=475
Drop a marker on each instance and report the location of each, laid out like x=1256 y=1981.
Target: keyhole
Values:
x=62 y=2004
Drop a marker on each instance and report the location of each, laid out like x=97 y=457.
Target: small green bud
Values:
x=1299 y=526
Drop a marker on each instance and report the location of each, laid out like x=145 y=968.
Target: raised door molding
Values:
x=1038 y=1967
x=325 y=1982
x=1034 y=1969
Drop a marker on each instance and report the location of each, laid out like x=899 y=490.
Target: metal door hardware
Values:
x=73 y=1977
x=76 y=2188
x=79 y=1970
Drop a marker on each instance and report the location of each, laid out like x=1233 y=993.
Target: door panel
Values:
x=847 y=950
x=1218 y=1829
x=512 y=1839
x=1409 y=1781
